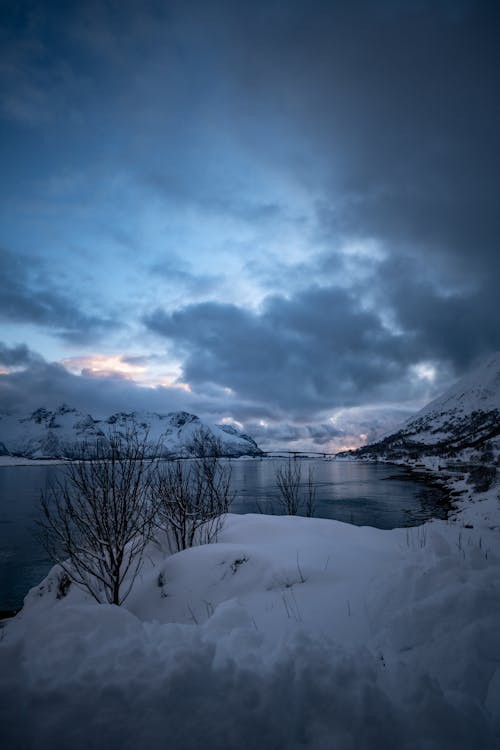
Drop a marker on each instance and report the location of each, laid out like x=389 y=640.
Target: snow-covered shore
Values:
x=22 y=461
x=287 y=633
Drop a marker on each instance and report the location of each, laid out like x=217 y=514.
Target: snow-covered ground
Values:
x=288 y=633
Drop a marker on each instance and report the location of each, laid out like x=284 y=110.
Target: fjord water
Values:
x=364 y=494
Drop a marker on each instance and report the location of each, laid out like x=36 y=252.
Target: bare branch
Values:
x=96 y=520
x=193 y=496
x=289 y=481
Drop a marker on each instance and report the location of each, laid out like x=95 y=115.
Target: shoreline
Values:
x=7 y=614
x=458 y=485
x=431 y=479
x=441 y=502
x=12 y=461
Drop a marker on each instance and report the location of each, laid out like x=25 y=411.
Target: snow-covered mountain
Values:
x=60 y=433
x=463 y=423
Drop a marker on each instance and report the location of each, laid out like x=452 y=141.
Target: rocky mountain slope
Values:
x=60 y=433
x=462 y=424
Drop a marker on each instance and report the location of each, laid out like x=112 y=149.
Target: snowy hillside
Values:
x=463 y=423
x=60 y=433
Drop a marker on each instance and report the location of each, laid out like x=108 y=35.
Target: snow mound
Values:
x=287 y=633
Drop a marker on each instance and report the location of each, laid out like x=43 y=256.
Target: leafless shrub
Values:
x=310 y=496
x=96 y=520
x=205 y=445
x=193 y=496
x=288 y=478
x=291 y=499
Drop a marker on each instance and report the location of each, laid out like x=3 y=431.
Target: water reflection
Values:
x=363 y=494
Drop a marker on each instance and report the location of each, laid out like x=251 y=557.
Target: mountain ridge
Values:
x=61 y=433
x=462 y=424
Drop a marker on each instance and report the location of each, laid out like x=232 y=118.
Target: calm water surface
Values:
x=363 y=494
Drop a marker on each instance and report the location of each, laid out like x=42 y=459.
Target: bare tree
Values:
x=96 y=519
x=288 y=478
x=193 y=495
x=289 y=482
x=310 y=496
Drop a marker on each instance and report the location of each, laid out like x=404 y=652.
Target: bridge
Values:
x=296 y=454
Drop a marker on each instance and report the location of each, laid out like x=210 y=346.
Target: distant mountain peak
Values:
x=59 y=433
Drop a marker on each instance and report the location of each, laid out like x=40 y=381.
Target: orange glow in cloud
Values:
x=103 y=365
x=115 y=365
x=170 y=384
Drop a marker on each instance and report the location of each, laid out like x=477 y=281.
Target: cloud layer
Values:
x=292 y=206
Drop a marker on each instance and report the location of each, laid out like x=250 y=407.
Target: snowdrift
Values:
x=288 y=633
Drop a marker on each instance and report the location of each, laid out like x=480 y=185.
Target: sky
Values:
x=282 y=215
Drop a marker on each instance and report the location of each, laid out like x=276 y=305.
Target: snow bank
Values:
x=288 y=633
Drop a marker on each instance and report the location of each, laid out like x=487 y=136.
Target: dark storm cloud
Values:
x=322 y=434
x=389 y=113
x=310 y=352
x=397 y=107
x=17 y=356
x=50 y=384
x=29 y=295
x=451 y=325
x=280 y=435
x=403 y=108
